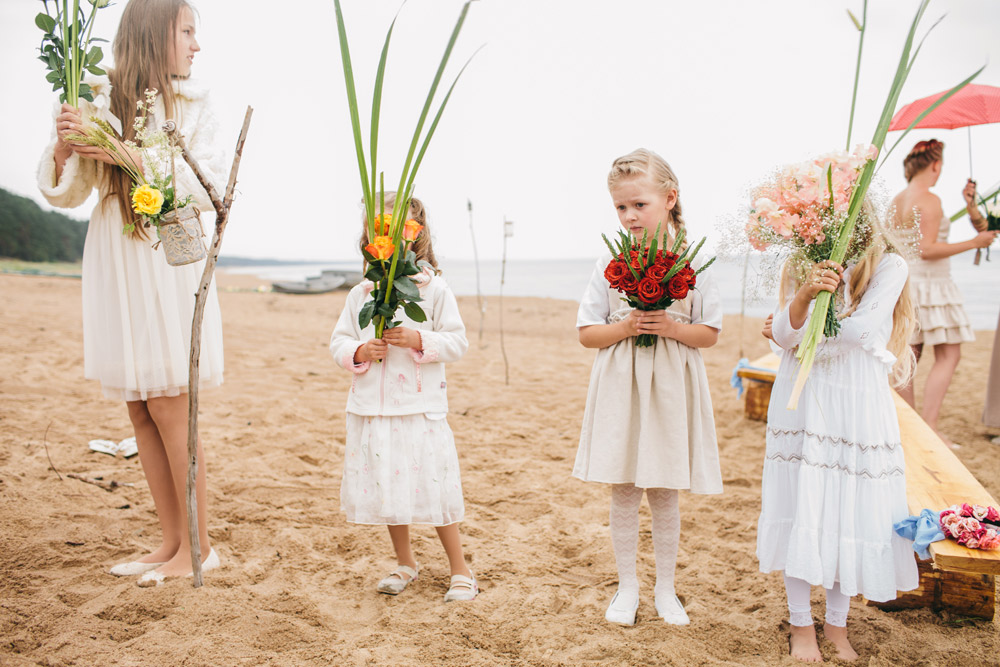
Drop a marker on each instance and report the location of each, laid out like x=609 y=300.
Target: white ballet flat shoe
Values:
x=133 y=568
x=462 y=588
x=620 y=612
x=396 y=582
x=670 y=609
x=155 y=578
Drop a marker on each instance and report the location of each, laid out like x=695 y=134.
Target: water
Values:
x=566 y=279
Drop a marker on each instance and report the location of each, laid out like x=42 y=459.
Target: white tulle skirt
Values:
x=401 y=470
x=137 y=313
x=939 y=304
x=834 y=480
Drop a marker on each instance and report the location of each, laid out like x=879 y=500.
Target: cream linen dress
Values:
x=649 y=419
x=834 y=481
x=939 y=303
x=137 y=309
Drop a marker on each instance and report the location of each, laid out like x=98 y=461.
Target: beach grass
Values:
x=67 y=269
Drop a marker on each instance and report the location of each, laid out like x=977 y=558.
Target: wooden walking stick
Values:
x=222 y=207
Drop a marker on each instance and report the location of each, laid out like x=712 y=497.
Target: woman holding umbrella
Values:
x=944 y=324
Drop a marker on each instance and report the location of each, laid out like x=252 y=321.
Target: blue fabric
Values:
x=736 y=382
x=922 y=529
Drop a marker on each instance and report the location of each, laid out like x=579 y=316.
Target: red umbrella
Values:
x=972 y=105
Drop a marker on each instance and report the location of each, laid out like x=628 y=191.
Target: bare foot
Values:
x=803 y=645
x=838 y=637
x=180 y=564
x=161 y=555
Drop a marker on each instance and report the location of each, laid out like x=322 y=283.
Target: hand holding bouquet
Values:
x=151 y=198
x=651 y=277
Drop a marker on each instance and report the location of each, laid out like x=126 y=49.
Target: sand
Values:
x=297 y=582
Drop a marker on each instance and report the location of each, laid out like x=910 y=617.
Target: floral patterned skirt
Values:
x=401 y=470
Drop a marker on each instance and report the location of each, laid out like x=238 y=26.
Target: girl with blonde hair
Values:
x=833 y=482
x=137 y=309
x=648 y=424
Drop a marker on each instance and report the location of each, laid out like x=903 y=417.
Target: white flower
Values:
x=99 y=4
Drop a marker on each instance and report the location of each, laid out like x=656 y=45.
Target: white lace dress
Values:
x=834 y=482
x=137 y=309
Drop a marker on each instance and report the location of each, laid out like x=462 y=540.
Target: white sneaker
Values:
x=670 y=609
x=622 y=610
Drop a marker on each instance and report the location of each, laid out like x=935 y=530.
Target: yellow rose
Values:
x=147 y=200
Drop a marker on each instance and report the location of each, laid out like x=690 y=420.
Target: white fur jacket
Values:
x=406 y=382
x=197 y=124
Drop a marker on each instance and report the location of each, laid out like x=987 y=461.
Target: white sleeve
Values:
x=594 y=307
x=785 y=336
x=865 y=327
x=706 y=303
x=204 y=148
x=445 y=341
x=74 y=185
x=346 y=337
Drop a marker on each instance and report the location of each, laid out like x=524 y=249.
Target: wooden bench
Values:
x=956 y=579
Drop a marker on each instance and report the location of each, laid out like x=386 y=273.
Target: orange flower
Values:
x=381 y=248
x=385 y=221
x=411 y=230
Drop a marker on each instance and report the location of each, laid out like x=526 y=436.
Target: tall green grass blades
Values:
x=352 y=103
x=377 y=98
x=857 y=68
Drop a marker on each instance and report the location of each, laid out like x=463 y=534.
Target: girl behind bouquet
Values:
x=833 y=482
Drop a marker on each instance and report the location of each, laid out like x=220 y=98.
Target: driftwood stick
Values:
x=201 y=297
x=107 y=486
x=46 y=446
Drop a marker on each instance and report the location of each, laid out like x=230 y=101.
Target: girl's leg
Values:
x=451 y=540
x=157 y=470
x=625 y=499
x=835 y=628
x=946 y=358
x=906 y=393
x=665 y=508
x=170 y=416
x=802 y=642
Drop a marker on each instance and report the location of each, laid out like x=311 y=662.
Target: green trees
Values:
x=29 y=233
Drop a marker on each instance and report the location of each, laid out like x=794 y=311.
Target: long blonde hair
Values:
x=142 y=48
x=874 y=240
x=422 y=247
x=644 y=162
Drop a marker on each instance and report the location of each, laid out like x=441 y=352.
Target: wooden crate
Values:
x=960 y=593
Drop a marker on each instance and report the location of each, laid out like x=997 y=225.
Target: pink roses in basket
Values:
x=973 y=526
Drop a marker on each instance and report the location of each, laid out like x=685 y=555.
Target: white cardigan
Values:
x=406 y=382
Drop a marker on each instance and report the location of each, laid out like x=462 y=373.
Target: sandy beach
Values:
x=297 y=586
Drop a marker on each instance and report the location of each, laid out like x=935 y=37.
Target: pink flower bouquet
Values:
x=972 y=526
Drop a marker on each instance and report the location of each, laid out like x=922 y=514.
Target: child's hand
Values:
x=766 y=331
x=631 y=324
x=824 y=277
x=655 y=322
x=372 y=350
x=403 y=337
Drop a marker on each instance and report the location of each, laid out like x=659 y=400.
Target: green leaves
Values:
x=45 y=22
x=414 y=312
x=65 y=48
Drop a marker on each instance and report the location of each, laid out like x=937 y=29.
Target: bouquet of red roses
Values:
x=651 y=278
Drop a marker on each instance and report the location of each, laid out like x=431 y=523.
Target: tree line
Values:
x=29 y=233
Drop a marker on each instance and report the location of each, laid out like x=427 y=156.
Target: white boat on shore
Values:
x=327 y=281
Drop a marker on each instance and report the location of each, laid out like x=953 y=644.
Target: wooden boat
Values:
x=327 y=281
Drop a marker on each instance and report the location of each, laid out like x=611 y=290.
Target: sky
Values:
x=725 y=90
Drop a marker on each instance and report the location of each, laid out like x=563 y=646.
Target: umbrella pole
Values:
x=969 y=128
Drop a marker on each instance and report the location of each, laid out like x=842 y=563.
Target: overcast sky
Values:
x=725 y=90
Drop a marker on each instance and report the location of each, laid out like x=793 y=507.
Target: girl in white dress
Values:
x=648 y=423
x=400 y=462
x=833 y=482
x=137 y=309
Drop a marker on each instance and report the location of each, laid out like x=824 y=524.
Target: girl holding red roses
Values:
x=648 y=423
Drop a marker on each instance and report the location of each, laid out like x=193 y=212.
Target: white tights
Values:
x=799 y=611
x=663 y=504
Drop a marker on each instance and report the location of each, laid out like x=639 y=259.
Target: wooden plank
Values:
x=967 y=595
x=936 y=479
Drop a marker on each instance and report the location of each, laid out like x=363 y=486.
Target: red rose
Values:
x=657 y=272
x=677 y=288
x=649 y=290
x=614 y=273
x=628 y=284
x=688 y=274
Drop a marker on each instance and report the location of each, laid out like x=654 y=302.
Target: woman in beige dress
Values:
x=943 y=323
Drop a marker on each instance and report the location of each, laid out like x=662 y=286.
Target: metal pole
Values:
x=479 y=293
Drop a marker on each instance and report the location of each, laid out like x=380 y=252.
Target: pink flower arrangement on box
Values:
x=972 y=526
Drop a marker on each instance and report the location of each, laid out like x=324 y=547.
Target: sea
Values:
x=747 y=286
